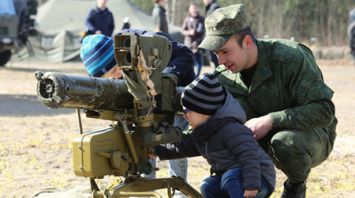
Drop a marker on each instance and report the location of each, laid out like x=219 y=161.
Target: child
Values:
x=239 y=166
x=97 y=54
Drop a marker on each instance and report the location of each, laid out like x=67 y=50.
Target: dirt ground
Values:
x=35 y=141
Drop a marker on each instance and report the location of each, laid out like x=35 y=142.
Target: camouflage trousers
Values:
x=296 y=152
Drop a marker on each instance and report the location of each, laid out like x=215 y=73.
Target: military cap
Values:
x=222 y=24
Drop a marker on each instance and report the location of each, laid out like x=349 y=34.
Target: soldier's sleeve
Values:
x=312 y=97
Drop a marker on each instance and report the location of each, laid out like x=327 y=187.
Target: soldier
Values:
x=96 y=48
x=281 y=88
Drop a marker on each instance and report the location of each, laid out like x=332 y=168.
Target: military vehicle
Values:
x=142 y=107
x=16 y=25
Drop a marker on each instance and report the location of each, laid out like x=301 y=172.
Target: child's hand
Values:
x=250 y=193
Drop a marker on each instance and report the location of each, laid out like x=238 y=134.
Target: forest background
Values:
x=322 y=21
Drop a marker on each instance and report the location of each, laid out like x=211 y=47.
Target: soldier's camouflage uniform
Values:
x=288 y=85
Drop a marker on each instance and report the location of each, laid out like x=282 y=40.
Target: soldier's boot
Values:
x=294 y=190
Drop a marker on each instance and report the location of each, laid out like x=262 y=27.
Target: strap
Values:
x=93 y=185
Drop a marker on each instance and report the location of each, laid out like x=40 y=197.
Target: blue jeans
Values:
x=229 y=184
x=177 y=167
x=198 y=63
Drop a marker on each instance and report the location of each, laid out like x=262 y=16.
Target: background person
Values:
x=100 y=20
x=210 y=6
x=193 y=28
x=281 y=88
x=159 y=16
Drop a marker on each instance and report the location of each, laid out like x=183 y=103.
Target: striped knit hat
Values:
x=97 y=54
x=204 y=95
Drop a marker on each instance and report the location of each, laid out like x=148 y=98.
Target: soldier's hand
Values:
x=260 y=126
x=250 y=193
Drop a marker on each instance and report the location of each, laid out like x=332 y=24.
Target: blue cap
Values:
x=97 y=54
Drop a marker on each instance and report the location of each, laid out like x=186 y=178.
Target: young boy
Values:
x=239 y=166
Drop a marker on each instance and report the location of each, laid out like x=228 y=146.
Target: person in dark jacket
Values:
x=211 y=5
x=193 y=28
x=241 y=167
x=100 y=20
x=159 y=16
x=96 y=48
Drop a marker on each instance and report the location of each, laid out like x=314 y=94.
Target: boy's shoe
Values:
x=294 y=190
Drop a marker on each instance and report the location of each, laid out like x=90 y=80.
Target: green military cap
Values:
x=222 y=24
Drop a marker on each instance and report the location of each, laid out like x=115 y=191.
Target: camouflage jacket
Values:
x=287 y=84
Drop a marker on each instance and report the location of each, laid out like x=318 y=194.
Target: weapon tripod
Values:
x=143 y=187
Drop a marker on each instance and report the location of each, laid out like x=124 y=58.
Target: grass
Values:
x=35 y=151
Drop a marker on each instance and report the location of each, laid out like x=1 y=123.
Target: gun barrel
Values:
x=57 y=90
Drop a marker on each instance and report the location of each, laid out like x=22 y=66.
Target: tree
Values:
x=302 y=19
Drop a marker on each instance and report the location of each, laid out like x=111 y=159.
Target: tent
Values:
x=60 y=23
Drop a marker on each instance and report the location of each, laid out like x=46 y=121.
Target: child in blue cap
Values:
x=97 y=54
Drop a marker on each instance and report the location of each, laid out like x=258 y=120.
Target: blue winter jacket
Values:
x=226 y=143
x=100 y=20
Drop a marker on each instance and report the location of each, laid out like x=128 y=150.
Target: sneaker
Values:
x=294 y=190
